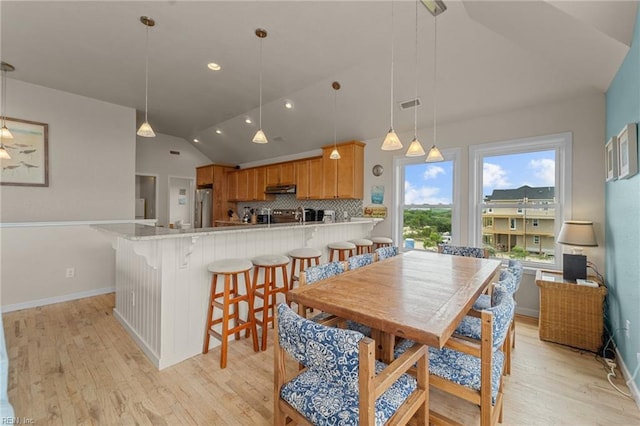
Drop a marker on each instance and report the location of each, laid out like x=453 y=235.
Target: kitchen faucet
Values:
x=300 y=215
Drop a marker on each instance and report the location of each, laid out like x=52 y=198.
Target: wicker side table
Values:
x=570 y=314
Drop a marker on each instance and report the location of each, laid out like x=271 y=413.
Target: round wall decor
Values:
x=377 y=170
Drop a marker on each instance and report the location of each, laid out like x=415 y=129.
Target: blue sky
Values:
x=432 y=183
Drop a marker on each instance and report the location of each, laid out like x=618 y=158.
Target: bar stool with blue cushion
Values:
x=472 y=369
x=302 y=258
x=386 y=252
x=381 y=242
x=363 y=245
x=344 y=248
x=228 y=301
x=268 y=290
x=339 y=384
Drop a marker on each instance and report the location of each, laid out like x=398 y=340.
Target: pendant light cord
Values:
x=415 y=112
x=4 y=95
x=146 y=76
x=335 y=117
x=435 y=79
x=260 y=109
x=392 y=57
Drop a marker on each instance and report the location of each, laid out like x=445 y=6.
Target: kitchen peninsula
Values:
x=162 y=282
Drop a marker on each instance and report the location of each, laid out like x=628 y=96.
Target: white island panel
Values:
x=162 y=282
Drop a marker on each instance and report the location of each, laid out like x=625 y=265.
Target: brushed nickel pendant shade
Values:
x=260 y=137
x=145 y=129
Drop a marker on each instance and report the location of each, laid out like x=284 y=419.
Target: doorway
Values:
x=181 y=203
x=146 y=206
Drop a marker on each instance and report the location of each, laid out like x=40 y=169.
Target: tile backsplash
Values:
x=289 y=201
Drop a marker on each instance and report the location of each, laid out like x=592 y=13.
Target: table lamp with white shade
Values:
x=577 y=234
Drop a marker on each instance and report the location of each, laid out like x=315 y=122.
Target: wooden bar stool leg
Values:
x=225 y=321
x=207 y=336
x=251 y=312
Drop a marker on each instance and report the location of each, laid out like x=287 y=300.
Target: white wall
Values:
x=153 y=157
x=583 y=116
x=91 y=169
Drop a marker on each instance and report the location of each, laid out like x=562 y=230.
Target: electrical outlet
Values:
x=133 y=299
x=627 y=329
x=71 y=272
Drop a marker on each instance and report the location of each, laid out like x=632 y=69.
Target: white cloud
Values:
x=494 y=176
x=545 y=170
x=432 y=172
x=422 y=195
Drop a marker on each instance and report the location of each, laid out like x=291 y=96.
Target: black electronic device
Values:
x=574 y=266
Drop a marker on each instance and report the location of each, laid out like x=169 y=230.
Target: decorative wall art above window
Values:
x=29 y=151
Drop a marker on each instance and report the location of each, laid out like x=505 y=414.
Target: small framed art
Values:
x=29 y=151
x=611 y=158
x=627 y=152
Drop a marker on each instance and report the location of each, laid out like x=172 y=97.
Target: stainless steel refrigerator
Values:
x=204 y=204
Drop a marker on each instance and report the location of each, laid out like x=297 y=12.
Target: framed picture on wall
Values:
x=611 y=158
x=627 y=152
x=29 y=151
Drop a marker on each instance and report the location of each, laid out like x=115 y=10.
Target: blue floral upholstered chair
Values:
x=338 y=385
x=510 y=277
x=360 y=260
x=386 y=252
x=322 y=272
x=473 y=369
x=463 y=251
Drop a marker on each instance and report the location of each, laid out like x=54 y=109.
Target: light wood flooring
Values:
x=72 y=363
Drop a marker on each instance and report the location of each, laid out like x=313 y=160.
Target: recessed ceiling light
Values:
x=213 y=66
x=218 y=131
x=248 y=120
x=196 y=140
x=288 y=104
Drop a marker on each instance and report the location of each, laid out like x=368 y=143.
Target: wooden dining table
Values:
x=417 y=295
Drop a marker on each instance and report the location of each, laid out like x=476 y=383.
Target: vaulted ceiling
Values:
x=492 y=56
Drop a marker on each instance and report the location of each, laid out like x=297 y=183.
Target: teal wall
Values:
x=622 y=207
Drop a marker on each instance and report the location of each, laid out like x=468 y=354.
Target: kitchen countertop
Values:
x=135 y=231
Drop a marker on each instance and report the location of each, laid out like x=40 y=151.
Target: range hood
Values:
x=280 y=189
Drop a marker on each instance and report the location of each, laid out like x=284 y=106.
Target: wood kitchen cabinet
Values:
x=281 y=174
x=343 y=178
x=204 y=176
x=248 y=185
x=309 y=179
x=221 y=203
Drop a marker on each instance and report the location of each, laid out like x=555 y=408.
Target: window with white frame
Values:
x=527 y=185
x=427 y=203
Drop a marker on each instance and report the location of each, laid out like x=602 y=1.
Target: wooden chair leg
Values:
x=251 y=312
x=207 y=336
x=225 y=321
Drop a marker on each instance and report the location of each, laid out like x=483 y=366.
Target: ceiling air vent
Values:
x=410 y=104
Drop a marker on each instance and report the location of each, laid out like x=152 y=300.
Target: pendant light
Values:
x=4 y=132
x=335 y=155
x=260 y=137
x=145 y=129
x=415 y=149
x=391 y=141
x=434 y=154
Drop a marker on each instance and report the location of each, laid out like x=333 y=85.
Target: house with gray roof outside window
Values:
x=520 y=218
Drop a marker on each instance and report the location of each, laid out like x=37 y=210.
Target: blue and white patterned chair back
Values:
x=515 y=266
x=386 y=252
x=355 y=262
x=330 y=352
x=324 y=271
x=462 y=251
x=503 y=309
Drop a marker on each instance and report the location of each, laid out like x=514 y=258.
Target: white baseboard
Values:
x=151 y=355
x=57 y=299
x=633 y=388
x=528 y=312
